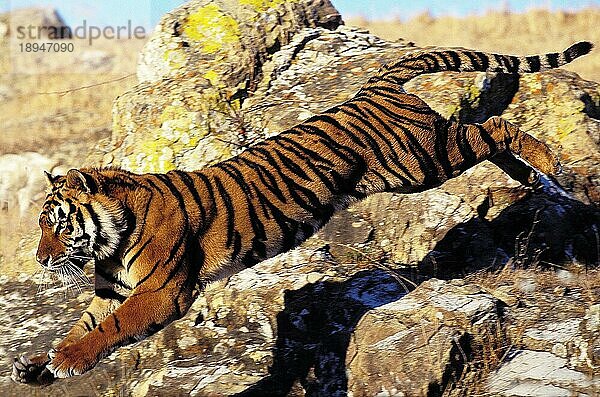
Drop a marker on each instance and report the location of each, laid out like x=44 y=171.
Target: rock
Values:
x=539 y=373
x=421 y=344
x=19 y=187
x=45 y=23
x=553 y=352
x=227 y=42
x=259 y=333
x=204 y=58
x=567 y=118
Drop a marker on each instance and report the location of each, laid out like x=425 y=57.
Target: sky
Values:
x=147 y=12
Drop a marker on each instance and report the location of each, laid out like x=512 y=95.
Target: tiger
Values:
x=157 y=239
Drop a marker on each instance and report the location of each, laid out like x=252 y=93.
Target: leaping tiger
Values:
x=156 y=237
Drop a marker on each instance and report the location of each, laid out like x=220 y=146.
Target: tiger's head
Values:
x=79 y=221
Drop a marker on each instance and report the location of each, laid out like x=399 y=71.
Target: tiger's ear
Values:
x=81 y=181
x=49 y=178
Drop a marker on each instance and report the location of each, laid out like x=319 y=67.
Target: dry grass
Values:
x=536 y=31
x=38 y=116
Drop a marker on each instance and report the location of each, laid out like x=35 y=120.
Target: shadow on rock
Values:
x=313 y=333
x=544 y=230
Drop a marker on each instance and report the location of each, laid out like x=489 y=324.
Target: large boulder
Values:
x=228 y=41
x=202 y=61
x=422 y=344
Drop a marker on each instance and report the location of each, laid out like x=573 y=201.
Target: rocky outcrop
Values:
x=203 y=60
x=20 y=187
x=45 y=22
x=227 y=42
x=332 y=318
x=505 y=338
x=304 y=324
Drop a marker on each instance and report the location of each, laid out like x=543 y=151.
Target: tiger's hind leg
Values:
x=511 y=140
x=499 y=141
x=516 y=169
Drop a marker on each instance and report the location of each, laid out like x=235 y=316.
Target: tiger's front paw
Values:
x=70 y=360
x=32 y=369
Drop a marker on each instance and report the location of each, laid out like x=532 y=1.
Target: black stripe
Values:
x=164 y=178
x=185 y=232
x=266 y=178
x=117 y=324
x=313 y=155
x=552 y=59
x=487 y=138
x=423 y=157
x=141 y=221
x=88 y=327
x=513 y=63
x=316 y=166
x=91 y=318
x=431 y=61
x=441 y=146
x=426 y=162
x=400 y=113
x=111 y=278
x=407 y=179
x=465 y=148
x=328 y=119
x=211 y=194
x=107 y=293
x=189 y=184
x=479 y=61
x=261 y=203
x=230 y=215
x=534 y=63
x=290 y=164
x=455 y=59
x=148 y=275
x=258 y=240
x=137 y=254
x=344 y=153
x=289 y=227
x=100 y=239
x=448 y=60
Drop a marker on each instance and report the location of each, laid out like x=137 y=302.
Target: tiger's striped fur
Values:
x=155 y=237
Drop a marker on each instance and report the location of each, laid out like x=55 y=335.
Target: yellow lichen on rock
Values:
x=210 y=27
x=175 y=58
x=263 y=5
x=176 y=122
x=178 y=133
x=152 y=156
x=214 y=78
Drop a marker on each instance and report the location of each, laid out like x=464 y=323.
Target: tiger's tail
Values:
x=464 y=60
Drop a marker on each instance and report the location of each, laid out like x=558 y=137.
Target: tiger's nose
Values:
x=43 y=260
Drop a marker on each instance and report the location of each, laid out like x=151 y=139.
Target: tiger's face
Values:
x=79 y=222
